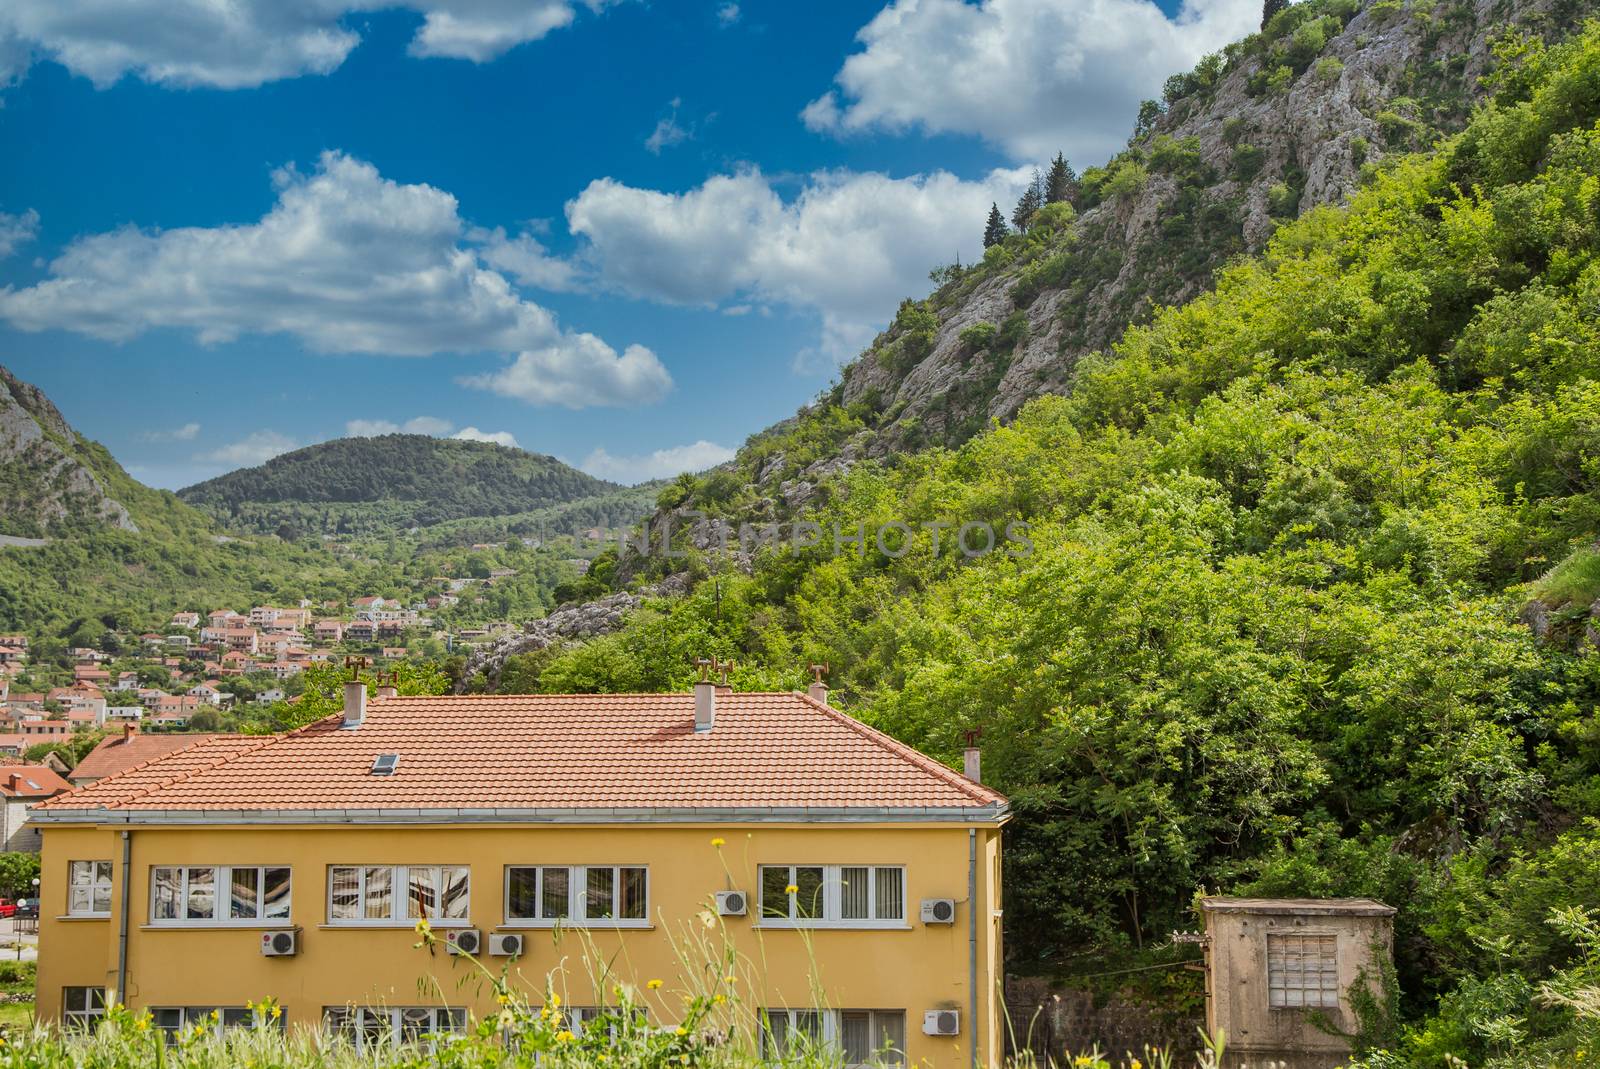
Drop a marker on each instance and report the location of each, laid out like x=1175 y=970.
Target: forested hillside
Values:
x=1270 y=637
x=1271 y=126
x=90 y=548
x=373 y=486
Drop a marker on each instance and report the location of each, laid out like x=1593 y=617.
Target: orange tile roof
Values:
x=31 y=781
x=566 y=756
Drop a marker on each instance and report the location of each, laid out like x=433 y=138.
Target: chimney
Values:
x=129 y=730
x=705 y=704
x=972 y=757
x=388 y=685
x=819 y=683
x=355 y=703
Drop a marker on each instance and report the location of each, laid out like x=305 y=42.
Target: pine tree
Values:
x=996 y=231
x=1032 y=200
x=1062 y=182
x=1270 y=8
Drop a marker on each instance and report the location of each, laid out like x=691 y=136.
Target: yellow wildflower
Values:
x=142 y=1024
x=422 y=926
x=654 y=985
x=792 y=889
x=682 y=1031
x=730 y=979
x=719 y=841
x=565 y=1036
x=503 y=998
x=555 y=1000
x=277 y=1011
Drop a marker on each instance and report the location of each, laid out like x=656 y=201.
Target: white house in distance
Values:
x=22 y=787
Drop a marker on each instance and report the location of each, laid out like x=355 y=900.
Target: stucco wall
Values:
x=915 y=968
x=1238 y=1000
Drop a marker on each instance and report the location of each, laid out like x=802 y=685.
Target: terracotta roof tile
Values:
x=564 y=751
x=118 y=753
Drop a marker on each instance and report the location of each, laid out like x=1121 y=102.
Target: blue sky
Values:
x=628 y=234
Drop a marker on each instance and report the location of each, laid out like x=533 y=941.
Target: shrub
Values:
x=1329 y=68
x=1125 y=179
x=1247 y=161
x=978 y=336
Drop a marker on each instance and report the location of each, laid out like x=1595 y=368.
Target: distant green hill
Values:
x=399 y=482
x=84 y=545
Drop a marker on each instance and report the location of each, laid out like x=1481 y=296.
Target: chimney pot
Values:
x=705 y=704
x=972 y=764
x=818 y=691
x=129 y=730
x=388 y=692
x=355 y=703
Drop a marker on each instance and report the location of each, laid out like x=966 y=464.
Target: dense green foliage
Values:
x=1268 y=639
x=365 y=485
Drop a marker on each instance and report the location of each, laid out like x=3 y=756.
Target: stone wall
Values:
x=1056 y=1021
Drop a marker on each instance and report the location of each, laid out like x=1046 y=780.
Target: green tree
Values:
x=1061 y=184
x=994 y=232
x=1269 y=8
x=18 y=870
x=1031 y=201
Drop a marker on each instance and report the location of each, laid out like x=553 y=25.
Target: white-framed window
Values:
x=173 y=1020
x=863 y=1037
x=863 y=896
x=398 y=894
x=89 y=889
x=1302 y=970
x=183 y=895
x=83 y=1007
x=376 y=1027
x=578 y=895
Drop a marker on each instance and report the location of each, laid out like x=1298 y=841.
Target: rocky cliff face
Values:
x=44 y=481
x=1280 y=124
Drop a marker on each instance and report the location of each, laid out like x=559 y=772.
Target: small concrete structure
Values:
x=1277 y=967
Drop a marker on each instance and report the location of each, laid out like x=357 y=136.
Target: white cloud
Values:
x=577 y=372
x=346 y=261
x=728 y=14
x=473 y=434
x=243 y=43
x=669 y=131
x=186 y=433
x=525 y=259
x=666 y=134
x=1032 y=76
x=258 y=448
x=661 y=464
x=372 y=428
x=16 y=230
x=848 y=247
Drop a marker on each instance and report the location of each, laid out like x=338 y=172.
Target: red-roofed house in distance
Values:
x=536 y=829
x=22 y=787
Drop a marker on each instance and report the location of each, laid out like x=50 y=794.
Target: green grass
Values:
x=1575 y=581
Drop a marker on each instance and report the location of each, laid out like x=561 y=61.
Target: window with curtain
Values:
x=380 y=895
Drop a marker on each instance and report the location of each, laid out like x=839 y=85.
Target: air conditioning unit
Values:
x=505 y=944
x=941 y=1023
x=732 y=903
x=938 y=911
x=283 y=943
x=463 y=941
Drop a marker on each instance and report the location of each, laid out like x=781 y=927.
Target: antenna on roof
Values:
x=390 y=678
x=819 y=672
x=722 y=668
x=356 y=664
x=704 y=664
x=972 y=735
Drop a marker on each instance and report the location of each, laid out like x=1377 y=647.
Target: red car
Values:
x=8 y=908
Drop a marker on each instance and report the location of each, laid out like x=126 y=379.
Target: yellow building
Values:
x=858 y=879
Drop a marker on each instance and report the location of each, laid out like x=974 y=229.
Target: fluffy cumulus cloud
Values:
x=849 y=246
x=661 y=464
x=372 y=428
x=257 y=448
x=1032 y=76
x=345 y=261
x=581 y=372
x=245 y=43
x=473 y=434
x=17 y=230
